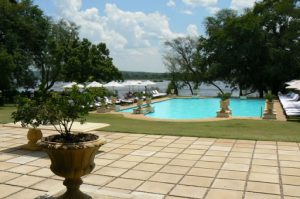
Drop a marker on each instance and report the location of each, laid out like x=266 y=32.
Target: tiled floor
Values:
x=153 y=166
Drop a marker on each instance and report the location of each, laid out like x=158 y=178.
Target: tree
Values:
x=216 y=49
x=51 y=60
x=7 y=67
x=257 y=50
x=280 y=21
x=236 y=50
x=181 y=61
x=22 y=32
x=90 y=62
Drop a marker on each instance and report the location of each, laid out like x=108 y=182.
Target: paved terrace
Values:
x=152 y=166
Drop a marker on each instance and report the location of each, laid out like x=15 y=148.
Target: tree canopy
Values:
x=257 y=50
x=30 y=41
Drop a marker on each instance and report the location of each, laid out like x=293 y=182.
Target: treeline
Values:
x=257 y=50
x=131 y=75
x=32 y=42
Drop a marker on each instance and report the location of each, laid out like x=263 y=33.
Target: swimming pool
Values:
x=195 y=108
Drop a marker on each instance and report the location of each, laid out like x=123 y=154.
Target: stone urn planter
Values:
x=113 y=100
x=172 y=91
x=71 y=154
x=102 y=110
x=33 y=135
x=148 y=101
x=270 y=106
x=72 y=161
x=30 y=113
x=269 y=112
x=139 y=102
x=224 y=105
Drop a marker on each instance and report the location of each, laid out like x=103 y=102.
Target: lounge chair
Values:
x=126 y=101
x=155 y=94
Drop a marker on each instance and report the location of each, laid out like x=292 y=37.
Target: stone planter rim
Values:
x=75 y=145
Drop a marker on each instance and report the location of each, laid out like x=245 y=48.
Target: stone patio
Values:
x=153 y=166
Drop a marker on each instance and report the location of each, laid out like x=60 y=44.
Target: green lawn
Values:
x=5 y=112
x=234 y=129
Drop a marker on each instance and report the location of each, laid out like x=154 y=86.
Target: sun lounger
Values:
x=155 y=94
x=288 y=113
x=126 y=101
x=289 y=97
x=290 y=105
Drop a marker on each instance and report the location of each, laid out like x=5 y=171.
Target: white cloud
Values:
x=242 y=4
x=171 y=3
x=213 y=10
x=134 y=38
x=192 y=30
x=202 y=3
x=187 y=12
x=210 y=5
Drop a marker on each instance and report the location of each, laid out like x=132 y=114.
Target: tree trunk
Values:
x=190 y=87
x=215 y=85
x=261 y=93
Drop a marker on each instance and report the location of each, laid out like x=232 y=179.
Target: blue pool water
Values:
x=194 y=108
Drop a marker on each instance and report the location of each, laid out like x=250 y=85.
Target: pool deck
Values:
x=278 y=109
x=155 y=167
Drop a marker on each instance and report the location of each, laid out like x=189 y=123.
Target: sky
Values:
x=135 y=30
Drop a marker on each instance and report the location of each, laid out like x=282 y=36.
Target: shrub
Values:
x=269 y=96
x=224 y=96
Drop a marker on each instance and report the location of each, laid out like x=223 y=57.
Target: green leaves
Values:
x=63 y=109
x=91 y=62
x=30 y=112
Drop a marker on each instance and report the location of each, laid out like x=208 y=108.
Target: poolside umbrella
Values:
x=295 y=86
x=80 y=85
x=147 y=83
x=94 y=84
x=113 y=84
x=70 y=85
x=292 y=82
x=132 y=83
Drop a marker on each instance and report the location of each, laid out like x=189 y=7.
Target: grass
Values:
x=5 y=112
x=230 y=129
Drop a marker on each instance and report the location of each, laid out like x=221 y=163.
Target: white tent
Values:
x=94 y=84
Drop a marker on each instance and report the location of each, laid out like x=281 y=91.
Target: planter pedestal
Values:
x=72 y=161
x=268 y=116
x=73 y=190
x=269 y=113
x=102 y=110
x=33 y=135
x=143 y=110
x=223 y=114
